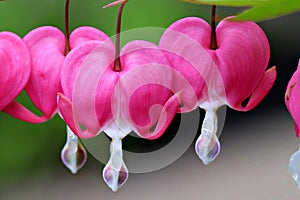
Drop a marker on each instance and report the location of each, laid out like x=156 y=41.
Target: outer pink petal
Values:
x=186 y=42
x=106 y=85
x=195 y=28
x=242 y=58
x=46 y=46
x=85 y=34
x=166 y=116
x=260 y=92
x=146 y=88
x=68 y=114
x=136 y=53
x=160 y=118
x=14 y=67
x=72 y=65
x=89 y=37
x=18 y=111
x=86 y=82
x=292 y=99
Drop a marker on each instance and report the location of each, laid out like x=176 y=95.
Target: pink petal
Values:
x=142 y=100
x=69 y=116
x=72 y=65
x=186 y=42
x=15 y=67
x=194 y=28
x=233 y=71
x=242 y=58
x=145 y=88
x=18 y=111
x=87 y=80
x=160 y=118
x=85 y=34
x=46 y=46
x=140 y=45
x=260 y=92
x=66 y=111
x=292 y=99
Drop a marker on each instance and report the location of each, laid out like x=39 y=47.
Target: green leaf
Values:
x=227 y=2
x=270 y=9
x=260 y=9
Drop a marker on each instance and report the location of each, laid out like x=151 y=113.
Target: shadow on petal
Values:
x=260 y=92
x=163 y=120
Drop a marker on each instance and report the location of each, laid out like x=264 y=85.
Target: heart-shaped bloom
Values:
x=14 y=67
x=229 y=75
x=293 y=105
x=100 y=99
x=292 y=99
x=47 y=50
x=46 y=46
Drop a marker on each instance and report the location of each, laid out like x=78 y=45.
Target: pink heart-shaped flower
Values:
x=47 y=50
x=89 y=84
x=293 y=106
x=239 y=62
x=96 y=98
x=233 y=73
x=15 y=67
x=292 y=99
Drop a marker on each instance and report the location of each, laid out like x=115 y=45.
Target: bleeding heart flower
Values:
x=47 y=49
x=99 y=98
x=231 y=73
x=15 y=67
x=117 y=92
x=293 y=105
x=292 y=101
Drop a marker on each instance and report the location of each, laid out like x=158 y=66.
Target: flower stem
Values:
x=117 y=64
x=67 y=33
x=213 y=39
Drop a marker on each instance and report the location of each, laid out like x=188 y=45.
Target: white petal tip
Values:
x=74 y=171
x=115 y=173
x=294 y=167
x=207 y=149
x=206 y=162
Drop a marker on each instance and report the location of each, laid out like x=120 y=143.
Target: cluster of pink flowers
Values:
x=97 y=88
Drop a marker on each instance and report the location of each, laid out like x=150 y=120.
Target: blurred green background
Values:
x=27 y=150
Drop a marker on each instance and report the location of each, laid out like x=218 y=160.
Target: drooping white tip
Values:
x=115 y=173
x=73 y=154
x=207 y=148
x=207 y=145
x=294 y=167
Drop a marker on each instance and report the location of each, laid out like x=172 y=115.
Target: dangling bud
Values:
x=208 y=146
x=115 y=173
x=73 y=155
x=294 y=167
